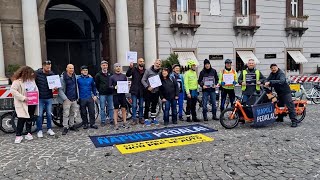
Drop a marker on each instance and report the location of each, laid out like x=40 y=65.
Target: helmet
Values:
x=227 y=61
x=191 y=62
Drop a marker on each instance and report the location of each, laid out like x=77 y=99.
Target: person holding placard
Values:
x=45 y=97
x=250 y=80
x=119 y=96
x=137 y=90
x=227 y=80
x=102 y=79
x=151 y=82
x=169 y=92
x=179 y=78
x=208 y=79
x=191 y=87
x=87 y=97
x=26 y=99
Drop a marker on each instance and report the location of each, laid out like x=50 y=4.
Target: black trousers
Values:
x=286 y=99
x=87 y=105
x=191 y=107
x=150 y=99
x=224 y=93
x=27 y=121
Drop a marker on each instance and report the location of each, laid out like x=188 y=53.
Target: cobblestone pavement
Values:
x=274 y=152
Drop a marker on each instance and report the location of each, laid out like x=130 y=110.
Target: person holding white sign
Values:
x=24 y=82
x=137 y=90
x=45 y=97
x=152 y=94
x=87 y=97
x=208 y=80
x=227 y=80
x=119 y=96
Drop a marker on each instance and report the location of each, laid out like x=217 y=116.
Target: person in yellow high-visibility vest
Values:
x=250 y=80
x=227 y=88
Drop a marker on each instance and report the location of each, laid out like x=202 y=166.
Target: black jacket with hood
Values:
x=42 y=84
x=205 y=73
x=279 y=83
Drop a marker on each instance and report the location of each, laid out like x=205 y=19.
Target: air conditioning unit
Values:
x=242 y=21
x=182 y=18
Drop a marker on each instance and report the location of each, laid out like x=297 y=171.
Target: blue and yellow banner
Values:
x=162 y=143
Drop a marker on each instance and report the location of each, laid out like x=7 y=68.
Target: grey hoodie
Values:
x=147 y=74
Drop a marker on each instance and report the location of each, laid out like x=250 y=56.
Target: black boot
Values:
x=214 y=117
x=188 y=119
x=294 y=123
x=85 y=126
x=195 y=119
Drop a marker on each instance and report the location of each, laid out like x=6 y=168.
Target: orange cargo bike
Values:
x=241 y=111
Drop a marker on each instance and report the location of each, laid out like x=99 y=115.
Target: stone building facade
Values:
x=75 y=31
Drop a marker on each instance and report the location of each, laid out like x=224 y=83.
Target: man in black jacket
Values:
x=105 y=93
x=277 y=80
x=45 y=97
x=208 y=79
x=137 y=90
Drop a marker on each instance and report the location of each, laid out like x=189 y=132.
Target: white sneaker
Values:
x=50 y=132
x=18 y=139
x=28 y=137
x=40 y=134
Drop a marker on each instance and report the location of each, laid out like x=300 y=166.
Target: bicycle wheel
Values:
x=96 y=109
x=229 y=119
x=316 y=97
x=300 y=117
x=57 y=117
x=6 y=125
x=14 y=123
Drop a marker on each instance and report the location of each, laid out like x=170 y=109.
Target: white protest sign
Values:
x=54 y=81
x=155 y=81
x=132 y=56
x=122 y=87
x=228 y=78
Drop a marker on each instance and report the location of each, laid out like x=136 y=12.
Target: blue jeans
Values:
x=45 y=104
x=134 y=107
x=212 y=96
x=173 y=105
x=180 y=102
x=103 y=99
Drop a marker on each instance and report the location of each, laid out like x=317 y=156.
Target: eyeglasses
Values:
x=47 y=62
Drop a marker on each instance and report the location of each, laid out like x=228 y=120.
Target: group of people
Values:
x=174 y=89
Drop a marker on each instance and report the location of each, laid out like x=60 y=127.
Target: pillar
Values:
x=150 y=42
x=122 y=31
x=3 y=79
x=31 y=34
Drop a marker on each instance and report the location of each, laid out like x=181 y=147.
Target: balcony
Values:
x=296 y=25
x=247 y=23
x=184 y=20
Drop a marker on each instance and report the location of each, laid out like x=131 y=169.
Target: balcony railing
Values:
x=297 y=22
x=247 y=22
x=184 y=20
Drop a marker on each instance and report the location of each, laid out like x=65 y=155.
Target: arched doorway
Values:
x=77 y=33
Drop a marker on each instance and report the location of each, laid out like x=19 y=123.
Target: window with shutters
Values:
x=184 y=15
x=246 y=20
x=297 y=22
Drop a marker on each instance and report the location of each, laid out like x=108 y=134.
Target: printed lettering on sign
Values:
x=162 y=143
x=123 y=138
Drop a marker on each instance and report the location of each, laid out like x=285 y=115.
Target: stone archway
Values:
x=108 y=8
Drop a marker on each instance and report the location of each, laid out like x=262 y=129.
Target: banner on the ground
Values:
x=162 y=143
x=124 y=138
x=263 y=114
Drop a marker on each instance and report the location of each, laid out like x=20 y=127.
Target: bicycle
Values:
x=312 y=94
x=229 y=118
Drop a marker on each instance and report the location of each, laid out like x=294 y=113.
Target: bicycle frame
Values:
x=238 y=107
x=305 y=92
